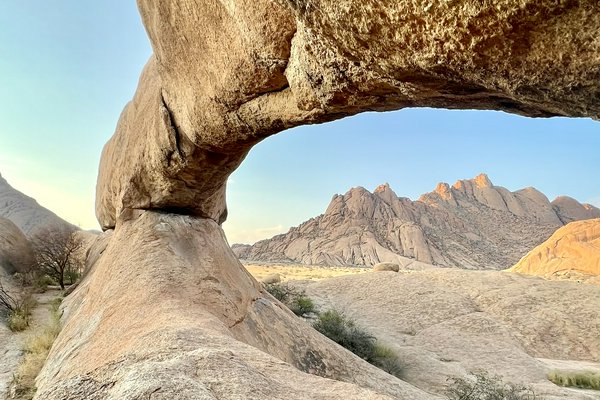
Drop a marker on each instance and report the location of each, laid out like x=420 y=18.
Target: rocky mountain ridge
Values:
x=472 y=224
x=24 y=211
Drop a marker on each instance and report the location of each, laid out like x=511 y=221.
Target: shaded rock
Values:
x=16 y=254
x=200 y=328
x=572 y=251
x=569 y=209
x=471 y=224
x=25 y=212
x=386 y=267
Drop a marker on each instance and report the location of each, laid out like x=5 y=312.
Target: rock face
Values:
x=202 y=328
x=167 y=311
x=472 y=224
x=208 y=95
x=569 y=210
x=24 y=211
x=16 y=254
x=448 y=322
x=572 y=250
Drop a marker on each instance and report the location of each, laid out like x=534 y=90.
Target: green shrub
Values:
x=302 y=305
x=486 y=387
x=296 y=301
x=580 y=379
x=344 y=332
x=279 y=291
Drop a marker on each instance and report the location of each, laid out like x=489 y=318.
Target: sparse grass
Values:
x=17 y=308
x=17 y=321
x=485 y=387
x=387 y=360
x=36 y=348
x=346 y=333
x=296 y=301
x=578 y=379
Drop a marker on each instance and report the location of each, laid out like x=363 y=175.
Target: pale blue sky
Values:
x=68 y=67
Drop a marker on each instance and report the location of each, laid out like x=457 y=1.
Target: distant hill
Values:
x=24 y=211
x=16 y=254
x=472 y=224
x=573 y=251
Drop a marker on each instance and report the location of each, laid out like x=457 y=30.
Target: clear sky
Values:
x=68 y=67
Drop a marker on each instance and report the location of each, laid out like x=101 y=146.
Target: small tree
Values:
x=57 y=253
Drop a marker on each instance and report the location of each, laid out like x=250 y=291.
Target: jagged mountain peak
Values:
x=472 y=224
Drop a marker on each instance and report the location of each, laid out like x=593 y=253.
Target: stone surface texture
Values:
x=16 y=254
x=572 y=252
x=255 y=68
x=471 y=224
x=449 y=322
x=167 y=311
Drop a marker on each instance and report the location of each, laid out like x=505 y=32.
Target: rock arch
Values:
x=166 y=310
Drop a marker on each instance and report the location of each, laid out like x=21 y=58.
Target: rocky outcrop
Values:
x=25 y=212
x=472 y=224
x=202 y=328
x=569 y=210
x=256 y=68
x=167 y=311
x=16 y=254
x=572 y=251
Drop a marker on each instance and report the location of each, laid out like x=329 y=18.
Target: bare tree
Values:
x=56 y=251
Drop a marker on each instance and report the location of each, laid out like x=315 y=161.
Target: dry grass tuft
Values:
x=578 y=379
x=36 y=348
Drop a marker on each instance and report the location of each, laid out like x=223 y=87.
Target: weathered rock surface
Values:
x=573 y=251
x=255 y=68
x=16 y=254
x=569 y=210
x=448 y=322
x=168 y=312
x=472 y=224
x=25 y=212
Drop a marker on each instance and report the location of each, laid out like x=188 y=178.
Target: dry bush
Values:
x=17 y=307
x=482 y=386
